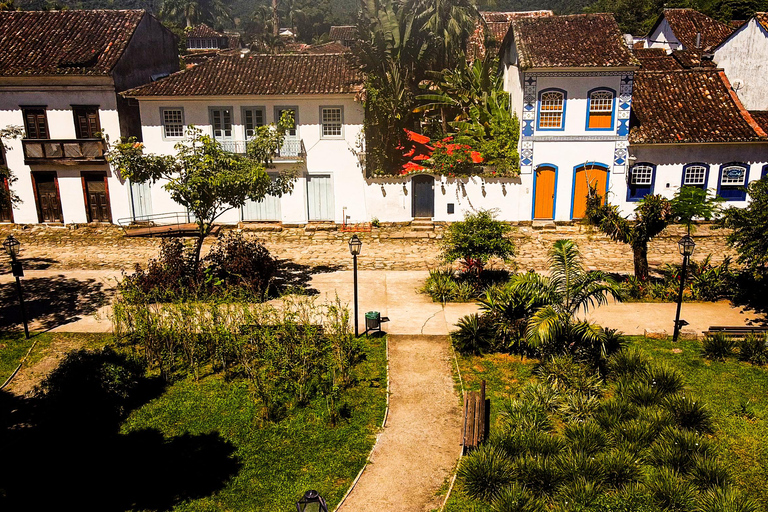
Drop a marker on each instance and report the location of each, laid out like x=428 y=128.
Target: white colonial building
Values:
x=744 y=58
x=60 y=78
x=228 y=96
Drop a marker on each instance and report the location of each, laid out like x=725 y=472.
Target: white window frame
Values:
x=728 y=182
x=647 y=174
x=703 y=181
x=323 y=123
x=551 y=112
x=165 y=125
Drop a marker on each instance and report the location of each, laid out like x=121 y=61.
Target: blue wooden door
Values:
x=423 y=202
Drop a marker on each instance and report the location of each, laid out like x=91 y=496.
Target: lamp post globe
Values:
x=11 y=246
x=311 y=502
x=355 y=244
x=686 y=246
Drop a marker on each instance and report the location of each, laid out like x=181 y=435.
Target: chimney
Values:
x=698 y=39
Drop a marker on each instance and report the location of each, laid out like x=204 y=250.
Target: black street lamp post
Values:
x=311 y=502
x=354 y=249
x=11 y=246
x=686 y=245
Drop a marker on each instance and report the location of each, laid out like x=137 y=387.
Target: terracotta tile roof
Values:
x=253 y=74
x=574 y=41
x=494 y=27
x=194 y=58
x=693 y=106
x=332 y=47
x=64 y=42
x=343 y=33
x=203 y=30
x=686 y=23
x=762 y=19
x=761 y=118
x=658 y=59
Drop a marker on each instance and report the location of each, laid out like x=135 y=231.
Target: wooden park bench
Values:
x=738 y=331
x=477 y=418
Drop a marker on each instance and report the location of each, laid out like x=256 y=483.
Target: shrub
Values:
x=242 y=264
x=688 y=413
x=543 y=395
x=577 y=464
x=485 y=472
x=754 y=349
x=476 y=239
x=540 y=474
x=566 y=375
x=628 y=363
x=664 y=378
x=474 y=335
x=613 y=411
x=441 y=285
x=708 y=473
x=585 y=437
x=173 y=272
x=725 y=499
x=717 y=346
x=518 y=443
x=620 y=468
x=678 y=450
x=523 y=415
x=517 y=498
x=579 y=406
x=669 y=491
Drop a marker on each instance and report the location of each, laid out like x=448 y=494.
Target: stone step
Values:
x=321 y=226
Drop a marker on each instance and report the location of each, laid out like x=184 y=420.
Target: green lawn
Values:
x=737 y=394
x=279 y=461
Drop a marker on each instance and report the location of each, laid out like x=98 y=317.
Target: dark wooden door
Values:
x=423 y=188
x=6 y=210
x=48 y=201
x=97 y=198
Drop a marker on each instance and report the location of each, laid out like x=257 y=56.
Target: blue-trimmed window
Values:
x=551 y=115
x=732 y=182
x=765 y=172
x=695 y=175
x=640 y=181
x=600 y=105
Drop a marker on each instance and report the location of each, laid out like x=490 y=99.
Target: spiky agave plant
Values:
x=678 y=449
x=614 y=411
x=473 y=334
x=707 y=473
x=664 y=378
x=639 y=392
x=521 y=415
x=541 y=475
x=578 y=493
x=543 y=394
x=573 y=464
x=669 y=491
x=485 y=472
x=627 y=363
x=585 y=437
x=717 y=346
x=527 y=442
x=620 y=468
x=754 y=349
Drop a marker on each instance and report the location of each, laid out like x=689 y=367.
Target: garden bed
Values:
x=736 y=394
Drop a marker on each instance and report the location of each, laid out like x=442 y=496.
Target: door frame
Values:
x=413 y=194
x=103 y=174
x=554 y=199
x=272 y=175
x=591 y=165
x=55 y=175
x=306 y=195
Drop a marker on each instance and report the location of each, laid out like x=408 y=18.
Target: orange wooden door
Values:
x=595 y=177
x=544 y=201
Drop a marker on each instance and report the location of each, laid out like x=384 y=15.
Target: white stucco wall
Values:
x=325 y=156
x=670 y=159
x=58 y=99
x=663 y=37
x=744 y=58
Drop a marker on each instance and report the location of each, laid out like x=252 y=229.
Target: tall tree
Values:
x=449 y=24
x=748 y=227
x=7 y=195
x=692 y=203
x=193 y=12
x=202 y=177
x=652 y=215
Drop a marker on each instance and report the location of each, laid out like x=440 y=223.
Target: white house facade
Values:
x=227 y=97
x=744 y=58
x=60 y=75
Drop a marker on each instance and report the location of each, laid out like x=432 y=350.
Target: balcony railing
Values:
x=291 y=149
x=61 y=151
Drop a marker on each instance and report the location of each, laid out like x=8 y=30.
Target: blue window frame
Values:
x=601 y=105
x=640 y=181
x=695 y=175
x=732 y=181
x=551 y=112
x=765 y=172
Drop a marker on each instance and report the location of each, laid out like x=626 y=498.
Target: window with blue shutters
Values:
x=732 y=182
x=640 y=181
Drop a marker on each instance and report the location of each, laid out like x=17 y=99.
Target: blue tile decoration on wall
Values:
x=529 y=118
x=621 y=151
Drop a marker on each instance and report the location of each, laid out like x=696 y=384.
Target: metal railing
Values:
x=156 y=219
x=63 y=150
x=291 y=148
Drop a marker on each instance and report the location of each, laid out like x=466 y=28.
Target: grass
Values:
x=13 y=347
x=279 y=461
x=736 y=393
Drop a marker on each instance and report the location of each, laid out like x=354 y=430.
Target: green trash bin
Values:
x=372 y=321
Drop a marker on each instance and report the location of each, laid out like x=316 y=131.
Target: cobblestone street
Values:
x=387 y=248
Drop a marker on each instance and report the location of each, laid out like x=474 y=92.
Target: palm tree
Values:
x=449 y=22
x=569 y=289
x=192 y=12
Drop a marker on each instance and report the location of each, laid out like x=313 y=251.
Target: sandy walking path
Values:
x=422 y=439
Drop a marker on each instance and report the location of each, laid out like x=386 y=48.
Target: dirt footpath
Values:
x=422 y=438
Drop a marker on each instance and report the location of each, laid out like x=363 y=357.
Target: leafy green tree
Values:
x=567 y=290
x=449 y=23
x=652 y=215
x=476 y=239
x=192 y=12
x=7 y=195
x=201 y=176
x=691 y=203
x=748 y=229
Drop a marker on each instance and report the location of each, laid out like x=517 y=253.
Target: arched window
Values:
x=733 y=179
x=600 y=115
x=551 y=110
x=695 y=175
x=640 y=181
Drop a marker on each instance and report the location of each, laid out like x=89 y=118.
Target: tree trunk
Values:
x=203 y=231
x=640 y=252
x=275 y=20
